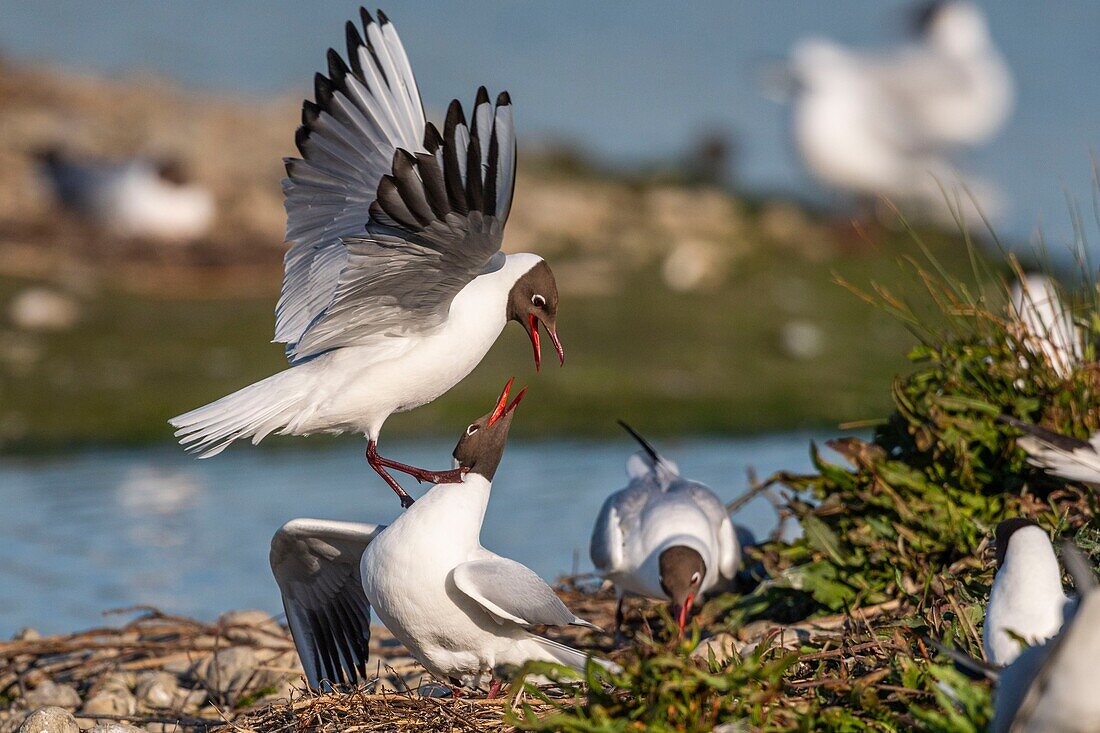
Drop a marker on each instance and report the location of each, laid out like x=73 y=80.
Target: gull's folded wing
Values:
x=509 y=591
x=316 y=564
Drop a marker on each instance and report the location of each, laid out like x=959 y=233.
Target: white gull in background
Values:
x=461 y=610
x=885 y=124
x=1048 y=325
x=663 y=536
x=1027 y=601
x=135 y=198
x=395 y=285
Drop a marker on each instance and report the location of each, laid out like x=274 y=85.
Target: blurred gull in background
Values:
x=135 y=198
x=886 y=123
x=1049 y=331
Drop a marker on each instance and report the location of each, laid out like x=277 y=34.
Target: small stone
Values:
x=231 y=672
x=27 y=633
x=723 y=645
x=52 y=694
x=110 y=702
x=156 y=689
x=114 y=681
x=434 y=689
x=114 y=727
x=50 y=720
x=42 y=309
x=189 y=700
x=252 y=625
x=178 y=667
x=802 y=339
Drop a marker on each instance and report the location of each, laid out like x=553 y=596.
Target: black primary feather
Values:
x=641 y=441
x=1062 y=442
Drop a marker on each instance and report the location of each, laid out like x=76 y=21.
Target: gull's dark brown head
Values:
x=481 y=446
x=534 y=300
x=681 y=574
x=1004 y=532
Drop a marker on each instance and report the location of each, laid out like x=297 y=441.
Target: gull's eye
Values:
x=694 y=578
x=538 y=301
x=472 y=429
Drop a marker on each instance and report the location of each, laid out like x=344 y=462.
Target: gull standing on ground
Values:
x=395 y=284
x=135 y=198
x=663 y=536
x=458 y=608
x=1059 y=455
x=1027 y=601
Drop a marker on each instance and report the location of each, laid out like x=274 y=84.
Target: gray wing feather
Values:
x=316 y=564
x=606 y=547
x=373 y=241
x=509 y=591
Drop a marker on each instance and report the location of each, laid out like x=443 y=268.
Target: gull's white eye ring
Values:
x=538 y=301
x=472 y=429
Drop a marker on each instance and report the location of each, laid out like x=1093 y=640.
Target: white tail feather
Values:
x=571 y=657
x=253 y=412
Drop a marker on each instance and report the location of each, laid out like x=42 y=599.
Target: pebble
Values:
x=52 y=694
x=42 y=309
x=724 y=645
x=156 y=690
x=50 y=720
x=261 y=628
x=110 y=702
x=802 y=339
x=114 y=727
x=27 y=633
x=232 y=672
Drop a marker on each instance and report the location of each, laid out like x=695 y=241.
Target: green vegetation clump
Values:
x=894 y=551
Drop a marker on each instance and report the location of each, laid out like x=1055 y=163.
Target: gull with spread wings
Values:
x=395 y=285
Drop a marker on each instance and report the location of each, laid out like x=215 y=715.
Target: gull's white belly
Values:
x=360 y=386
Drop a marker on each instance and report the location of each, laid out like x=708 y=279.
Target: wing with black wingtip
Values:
x=387 y=218
x=316 y=564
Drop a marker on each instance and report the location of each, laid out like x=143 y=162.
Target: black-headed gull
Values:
x=460 y=609
x=136 y=198
x=1060 y=455
x=395 y=284
x=875 y=124
x=663 y=536
x=1048 y=328
x=1051 y=688
x=1027 y=601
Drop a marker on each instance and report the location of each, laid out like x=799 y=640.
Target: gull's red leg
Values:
x=378 y=463
x=450 y=476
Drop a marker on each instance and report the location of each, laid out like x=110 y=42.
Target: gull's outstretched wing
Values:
x=387 y=218
x=1061 y=455
x=316 y=564
x=509 y=591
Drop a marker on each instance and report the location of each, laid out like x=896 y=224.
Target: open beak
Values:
x=533 y=331
x=503 y=407
x=683 y=613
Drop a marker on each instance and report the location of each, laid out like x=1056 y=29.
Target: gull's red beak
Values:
x=533 y=331
x=685 y=611
x=502 y=407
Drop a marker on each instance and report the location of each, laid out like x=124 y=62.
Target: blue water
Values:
x=102 y=530
x=629 y=80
